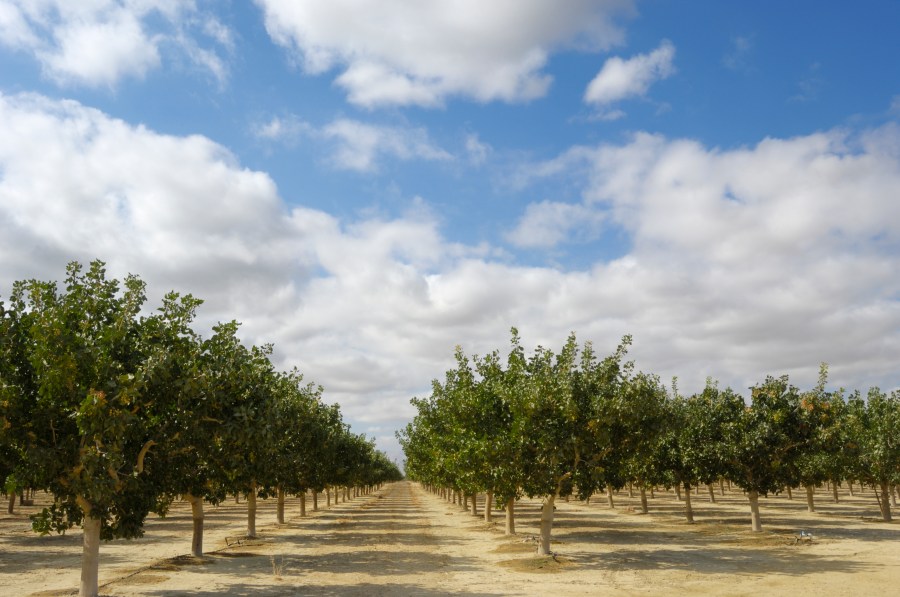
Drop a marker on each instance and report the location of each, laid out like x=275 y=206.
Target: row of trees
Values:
x=117 y=413
x=572 y=423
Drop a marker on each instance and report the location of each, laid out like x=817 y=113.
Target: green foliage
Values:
x=117 y=414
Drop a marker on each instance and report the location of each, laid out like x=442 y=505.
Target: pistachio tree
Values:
x=876 y=431
x=769 y=437
x=83 y=419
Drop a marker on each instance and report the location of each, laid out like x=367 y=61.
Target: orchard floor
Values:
x=402 y=540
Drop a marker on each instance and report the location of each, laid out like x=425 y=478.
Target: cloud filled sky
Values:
x=367 y=184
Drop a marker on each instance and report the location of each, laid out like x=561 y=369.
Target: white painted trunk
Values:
x=197 y=516
x=90 y=555
x=546 y=525
x=712 y=493
x=755 y=523
x=511 y=516
x=609 y=496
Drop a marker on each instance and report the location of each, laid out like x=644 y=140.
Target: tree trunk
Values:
x=465 y=501
x=328 y=497
x=197 y=518
x=546 y=525
x=251 y=510
x=677 y=492
x=884 y=502
x=609 y=496
x=810 y=499
x=755 y=524
x=488 y=505
x=712 y=493
x=688 y=508
x=474 y=504
x=850 y=487
x=721 y=487
x=279 y=514
x=894 y=496
x=790 y=494
x=511 y=516
x=303 y=504
x=10 y=508
x=834 y=493
x=643 y=499
x=630 y=490
x=90 y=555
x=315 y=501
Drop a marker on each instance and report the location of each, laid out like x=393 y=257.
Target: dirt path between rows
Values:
x=402 y=540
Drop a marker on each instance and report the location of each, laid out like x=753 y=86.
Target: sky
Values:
x=367 y=184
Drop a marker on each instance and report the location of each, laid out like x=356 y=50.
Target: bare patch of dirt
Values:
x=537 y=564
x=403 y=540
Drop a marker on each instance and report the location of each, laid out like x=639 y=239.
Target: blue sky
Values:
x=367 y=184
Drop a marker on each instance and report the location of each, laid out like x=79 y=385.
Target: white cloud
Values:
x=100 y=42
x=477 y=150
x=355 y=145
x=287 y=129
x=765 y=259
x=394 y=52
x=549 y=223
x=620 y=79
x=360 y=145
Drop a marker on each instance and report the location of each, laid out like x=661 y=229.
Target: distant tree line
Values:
x=555 y=424
x=117 y=413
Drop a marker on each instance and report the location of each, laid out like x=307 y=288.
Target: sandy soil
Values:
x=404 y=541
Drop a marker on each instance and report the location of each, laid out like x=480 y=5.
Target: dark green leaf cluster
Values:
x=117 y=412
x=567 y=422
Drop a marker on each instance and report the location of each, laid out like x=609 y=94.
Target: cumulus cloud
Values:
x=359 y=145
x=549 y=223
x=763 y=259
x=101 y=42
x=757 y=260
x=620 y=79
x=393 y=52
x=355 y=145
x=288 y=129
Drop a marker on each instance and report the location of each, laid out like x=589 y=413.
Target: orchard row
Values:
x=117 y=413
x=571 y=423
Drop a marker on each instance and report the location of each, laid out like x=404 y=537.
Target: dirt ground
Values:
x=402 y=540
